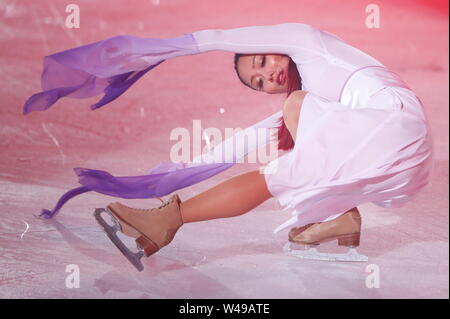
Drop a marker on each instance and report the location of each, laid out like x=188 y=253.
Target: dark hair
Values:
x=285 y=140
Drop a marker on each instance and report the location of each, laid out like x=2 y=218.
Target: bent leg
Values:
x=291 y=115
x=234 y=197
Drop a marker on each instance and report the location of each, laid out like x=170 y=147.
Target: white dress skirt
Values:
x=372 y=146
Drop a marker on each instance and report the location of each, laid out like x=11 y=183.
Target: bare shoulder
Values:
x=293 y=103
x=296 y=96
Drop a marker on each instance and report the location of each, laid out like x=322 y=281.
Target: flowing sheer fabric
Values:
x=111 y=66
x=162 y=180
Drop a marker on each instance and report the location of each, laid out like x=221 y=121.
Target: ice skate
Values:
x=346 y=229
x=152 y=228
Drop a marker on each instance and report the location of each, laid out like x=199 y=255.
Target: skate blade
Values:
x=111 y=231
x=314 y=254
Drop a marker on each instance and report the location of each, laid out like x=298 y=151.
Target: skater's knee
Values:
x=292 y=107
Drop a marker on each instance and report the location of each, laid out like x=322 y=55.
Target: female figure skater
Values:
x=354 y=132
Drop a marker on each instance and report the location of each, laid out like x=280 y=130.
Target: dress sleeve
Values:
x=236 y=147
x=287 y=38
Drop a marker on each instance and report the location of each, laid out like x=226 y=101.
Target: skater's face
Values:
x=264 y=72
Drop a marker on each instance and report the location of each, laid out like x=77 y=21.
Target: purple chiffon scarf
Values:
x=112 y=66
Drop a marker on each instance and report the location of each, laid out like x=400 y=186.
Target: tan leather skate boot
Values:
x=153 y=228
x=346 y=229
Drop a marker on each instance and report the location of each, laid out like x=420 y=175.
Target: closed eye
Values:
x=263 y=62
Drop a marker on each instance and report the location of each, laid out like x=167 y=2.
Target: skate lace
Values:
x=144 y=210
x=163 y=202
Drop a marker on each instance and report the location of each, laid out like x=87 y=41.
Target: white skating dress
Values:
x=362 y=135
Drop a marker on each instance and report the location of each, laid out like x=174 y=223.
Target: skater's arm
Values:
x=287 y=38
x=237 y=146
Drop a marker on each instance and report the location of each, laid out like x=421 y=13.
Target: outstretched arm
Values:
x=236 y=147
x=287 y=38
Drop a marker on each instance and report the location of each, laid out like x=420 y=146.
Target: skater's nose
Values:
x=268 y=75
